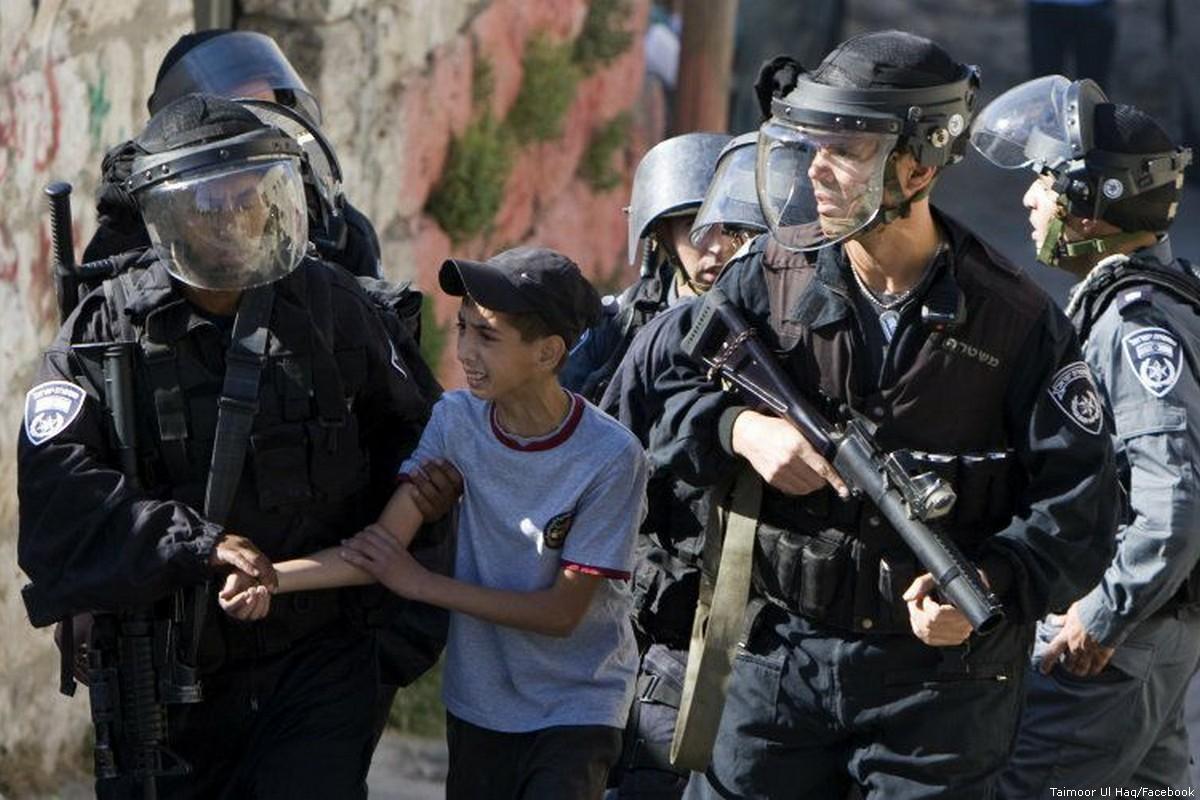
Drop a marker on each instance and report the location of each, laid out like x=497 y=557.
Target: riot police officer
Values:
x=671 y=540
x=270 y=410
x=1107 y=682
x=247 y=65
x=668 y=189
x=885 y=309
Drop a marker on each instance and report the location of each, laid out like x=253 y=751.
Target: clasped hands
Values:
x=246 y=592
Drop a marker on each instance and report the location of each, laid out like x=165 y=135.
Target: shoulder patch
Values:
x=50 y=407
x=1133 y=296
x=1155 y=357
x=556 y=530
x=1074 y=392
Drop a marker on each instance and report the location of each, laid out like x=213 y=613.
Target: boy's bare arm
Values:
x=551 y=612
x=554 y=611
x=326 y=570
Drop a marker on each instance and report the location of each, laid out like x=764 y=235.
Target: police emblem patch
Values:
x=556 y=530
x=1156 y=358
x=49 y=408
x=1073 y=391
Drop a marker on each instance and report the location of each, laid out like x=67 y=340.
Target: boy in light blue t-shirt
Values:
x=541 y=658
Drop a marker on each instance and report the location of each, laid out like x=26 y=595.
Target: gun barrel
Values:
x=118 y=379
x=744 y=360
x=957 y=580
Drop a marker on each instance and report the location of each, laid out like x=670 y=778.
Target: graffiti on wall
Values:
x=30 y=122
x=98 y=108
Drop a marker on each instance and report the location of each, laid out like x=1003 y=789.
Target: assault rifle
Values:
x=721 y=340
x=133 y=666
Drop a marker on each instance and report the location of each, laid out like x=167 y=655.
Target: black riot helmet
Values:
x=221 y=193
x=671 y=180
x=731 y=200
x=1106 y=161
x=826 y=154
x=321 y=169
x=231 y=63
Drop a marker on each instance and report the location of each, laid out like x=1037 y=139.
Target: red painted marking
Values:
x=50 y=150
x=8 y=256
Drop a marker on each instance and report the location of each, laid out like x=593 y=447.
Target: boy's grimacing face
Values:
x=493 y=355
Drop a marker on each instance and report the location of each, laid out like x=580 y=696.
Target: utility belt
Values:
x=665 y=590
x=839 y=563
x=293 y=618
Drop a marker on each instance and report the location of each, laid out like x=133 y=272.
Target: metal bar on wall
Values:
x=212 y=14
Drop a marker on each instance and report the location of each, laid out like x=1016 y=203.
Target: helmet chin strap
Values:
x=1054 y=248
x=681 y=275
x=891 y=186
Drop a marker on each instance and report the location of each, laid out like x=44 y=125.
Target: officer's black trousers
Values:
x=294 y=725
x=812 y=710
x=645 y=771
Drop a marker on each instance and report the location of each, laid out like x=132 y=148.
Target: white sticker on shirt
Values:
x=1073 y=391
x=50 y=407
x=1156 y=358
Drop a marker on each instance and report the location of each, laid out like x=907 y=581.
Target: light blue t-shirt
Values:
x=574 y=499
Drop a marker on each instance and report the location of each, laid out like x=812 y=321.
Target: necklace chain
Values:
x=889 y=305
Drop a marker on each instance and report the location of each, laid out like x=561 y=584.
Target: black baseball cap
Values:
x=527 y=280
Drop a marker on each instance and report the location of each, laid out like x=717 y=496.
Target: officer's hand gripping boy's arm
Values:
x=552 y=611
x=326 y=569
x=401 y=518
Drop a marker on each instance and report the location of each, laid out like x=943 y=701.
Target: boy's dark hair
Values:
x=531 y=326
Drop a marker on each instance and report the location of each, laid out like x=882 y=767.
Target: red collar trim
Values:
x=553 y=440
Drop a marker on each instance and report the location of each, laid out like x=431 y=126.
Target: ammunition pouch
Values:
x=840 y=563
x=665 y=590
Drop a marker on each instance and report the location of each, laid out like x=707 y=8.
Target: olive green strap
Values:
x=719 y=619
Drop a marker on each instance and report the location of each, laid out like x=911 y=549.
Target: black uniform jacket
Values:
x=1009 y=379
x=339 y=407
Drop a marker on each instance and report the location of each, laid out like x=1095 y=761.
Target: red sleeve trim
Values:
x=403 y=478
x=603 y=572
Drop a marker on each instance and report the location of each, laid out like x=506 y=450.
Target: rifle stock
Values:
x=133 y=668
x=721 y=340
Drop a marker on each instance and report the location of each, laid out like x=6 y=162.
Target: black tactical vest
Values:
x=306 y=482
x=838 y=561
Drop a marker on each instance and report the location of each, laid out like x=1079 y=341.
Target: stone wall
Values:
x=398 y=81
x=74 y=76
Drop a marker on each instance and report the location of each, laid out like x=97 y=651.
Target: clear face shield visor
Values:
x=817 y=187
x=731 y=199
x=323 y=170
x=1037 y=124
x=237 y=64
x=229 y=227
